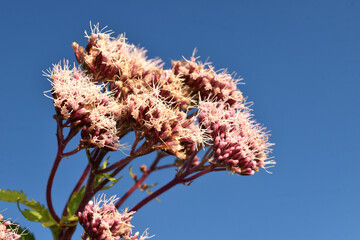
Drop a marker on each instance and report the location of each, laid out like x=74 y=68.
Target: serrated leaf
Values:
x=37 y=211
x=32 y=215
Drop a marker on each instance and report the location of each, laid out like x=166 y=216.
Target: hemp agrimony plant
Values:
x=191 y=112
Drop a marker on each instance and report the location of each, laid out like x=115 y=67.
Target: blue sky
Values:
x=300 y=61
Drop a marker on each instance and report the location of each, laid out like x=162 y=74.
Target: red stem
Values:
x=178 y=179
x=51 y=181
x=140 y=181
x=95 y=161
x=77 y=187
x=61 y=146
x=199 y=174
x=71 y=152
x=132 y=189
x=119 y=164
x=165 y=166
x=158 y=192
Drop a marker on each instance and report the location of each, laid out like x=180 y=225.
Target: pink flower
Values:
x=109 y=58
x=7 y=230
x=164 y=125
x=202 y=79
x=86 y=105
x=239 y=143
x=102 y=221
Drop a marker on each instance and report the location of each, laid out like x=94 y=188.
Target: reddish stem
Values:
x=158 y=192
x=95 y=161
x=77 y=187
x=132 y=189
x=178 y=179
x=71 y=152
x=119 y=164
x=199 y=174
x=140 y=181
x=61 y=147
x=51 y=181
x=165 y=166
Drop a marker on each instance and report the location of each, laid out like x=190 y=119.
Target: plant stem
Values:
x=51 y=181
x=158 y=192
x=141 y=180
x=77 y=187
x=199 y=174
x=61 y=147
x=94 y=162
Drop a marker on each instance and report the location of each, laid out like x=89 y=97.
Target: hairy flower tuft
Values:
x=239 y=143
x=102 y=221
x=8 y=230
x=107 y=57
x=209 y=84
x=164 y=125
x=86 y=106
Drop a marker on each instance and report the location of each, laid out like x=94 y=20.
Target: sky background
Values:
x=300 y=61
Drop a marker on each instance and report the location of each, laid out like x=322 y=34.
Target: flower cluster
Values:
x=127 y=68
x=85 y=106
x=108 y=58
x=167 y=127
x=6 y=230
x=102 y=221
x=239 y=143
x=202 y=79
x=177 y=110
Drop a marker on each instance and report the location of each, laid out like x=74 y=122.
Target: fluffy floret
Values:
x=102 y=221
x=8 y=231
x=239 y=143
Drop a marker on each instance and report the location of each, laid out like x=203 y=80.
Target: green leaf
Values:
x=110 y=178
x=69 y=221
x=36 y=212
x=99 y=177
x=75 y=201
x=48 y=224
x=112 y=184
x=133 y=176
x=31 y=215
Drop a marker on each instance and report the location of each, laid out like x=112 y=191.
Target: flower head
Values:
x=209 y=84
x=239 y=143
x=8 y=230
x=102 y=221
x=166 y=126
x=107 y=57
x=86 y=105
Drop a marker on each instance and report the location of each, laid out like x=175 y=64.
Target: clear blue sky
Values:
x=300 y=61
